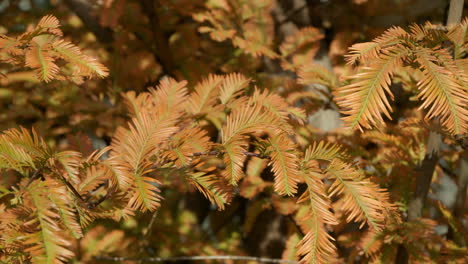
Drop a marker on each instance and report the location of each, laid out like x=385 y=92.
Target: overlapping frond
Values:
x=232 y=85
x=145 y=133
x=242 y=121
x=209 y=186
x=70 y=161
x=278 y=107
x=15 y=158
x=87 y=66
x=94 y=176
x=120 y=174
x=145 y=196
x=300 y=48
x=313 y=73
x=29 y=141
x=185 y=143
x=365 y=99
x=284 y=164
x=67 y=213
x=363 y=200
x=204 y=96
x=49 y=24
x=134 y=147
x=21 y=150
x=137 y=103
x=234 y=159
x=43 y=49
x=169 y=96
x=9 y=46
x=46 y=244
x=248 y=119
x=440 y=90
x=317 y=245
x=367 y=51
x=323 y=151
x=39 y=58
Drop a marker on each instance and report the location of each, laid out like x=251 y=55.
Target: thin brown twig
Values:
x=195 y=258
x=147 y=232
x=34 y=176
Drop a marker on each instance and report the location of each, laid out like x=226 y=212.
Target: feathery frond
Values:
x=68 y=215
x=365 y=100
x=207 y=185
x=316 y=246
x=134 y=147
x=86 y=66
x=313 y=73
x=234 y=159
x=278 y=107
x=70 y=161
x=19 y=150
x=231 y=86
x=245 y=120
x=49 y=24
x=146 y=192
x=169 y=96
x=323 y=151
x=439 y=88
x=47 y=244
x=242 y=121
x=203 y=98
x=284 y=164
x=137 y=103
x=364 y=201
x=367 y=51
x=39 y=58
x=185 y=143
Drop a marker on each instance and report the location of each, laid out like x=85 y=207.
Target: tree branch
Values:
x=424 y=173
x=455 y=12
x=84 y=11
x=162 y=50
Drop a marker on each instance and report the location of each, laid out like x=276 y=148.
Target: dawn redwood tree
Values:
x=111 y=139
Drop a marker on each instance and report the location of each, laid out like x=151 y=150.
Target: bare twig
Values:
x=34 y=176
x=195 y=258
x=72 y=189
x=147 y=233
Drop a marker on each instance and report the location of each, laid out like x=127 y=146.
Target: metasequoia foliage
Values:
x=56 y=197
x=441 y=83
x=43 y=49
x=224 y=135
